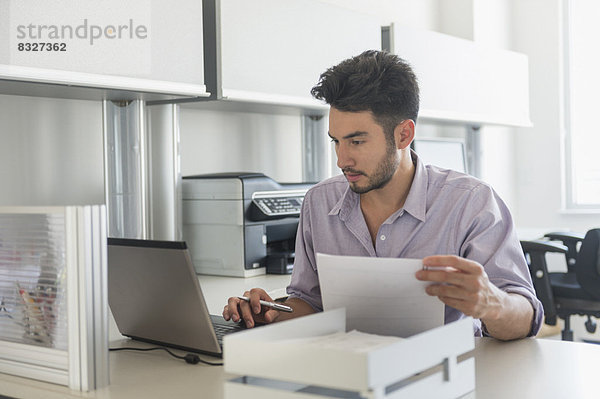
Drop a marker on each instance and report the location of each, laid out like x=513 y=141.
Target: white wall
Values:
x=492 y=27
x=456 y=18
x=538 y=150
x=487 y=22
x=523 y=164
x=218 y=141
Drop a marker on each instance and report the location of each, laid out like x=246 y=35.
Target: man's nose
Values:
x=344 y=160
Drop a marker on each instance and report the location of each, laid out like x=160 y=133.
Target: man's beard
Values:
x=383 y=173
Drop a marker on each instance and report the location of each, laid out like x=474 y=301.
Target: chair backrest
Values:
x=571 y=240
x=587 y=266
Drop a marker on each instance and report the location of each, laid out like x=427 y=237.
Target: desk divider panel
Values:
x=53 y=295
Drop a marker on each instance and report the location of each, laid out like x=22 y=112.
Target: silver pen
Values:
x=272 y=305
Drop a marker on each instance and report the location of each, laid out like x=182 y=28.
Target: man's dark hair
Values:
x=375 y=81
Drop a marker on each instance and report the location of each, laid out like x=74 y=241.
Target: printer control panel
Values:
x=279 y=206
x=280 y=203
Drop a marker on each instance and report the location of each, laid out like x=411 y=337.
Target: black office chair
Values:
x=575 y=292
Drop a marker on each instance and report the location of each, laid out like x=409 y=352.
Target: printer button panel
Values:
x=275 y=206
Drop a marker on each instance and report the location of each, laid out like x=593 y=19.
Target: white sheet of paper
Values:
x=381 y=295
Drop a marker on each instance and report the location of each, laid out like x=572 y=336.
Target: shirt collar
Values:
x=415 y=204
x=345 y=205
x=416 y=201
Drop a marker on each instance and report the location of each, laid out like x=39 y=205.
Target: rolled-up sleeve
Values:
x=489 y=238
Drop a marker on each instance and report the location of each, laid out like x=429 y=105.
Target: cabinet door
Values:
x=273 y=51
x=463 y=81
x=89 y=42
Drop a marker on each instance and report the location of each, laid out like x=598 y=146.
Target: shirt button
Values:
x=382 y=237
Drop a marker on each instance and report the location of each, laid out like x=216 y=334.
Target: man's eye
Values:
x=357 y=142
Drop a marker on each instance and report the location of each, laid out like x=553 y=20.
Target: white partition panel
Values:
x=273 y=51
x=463 y=81
x=53 y=292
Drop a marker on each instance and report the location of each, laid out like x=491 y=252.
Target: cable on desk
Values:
x=189 y=358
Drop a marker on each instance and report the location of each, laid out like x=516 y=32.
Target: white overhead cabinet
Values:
x=463 y=81
x=102 y=49
x=273 y=51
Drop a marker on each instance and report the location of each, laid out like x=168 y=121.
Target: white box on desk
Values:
x=423 y=365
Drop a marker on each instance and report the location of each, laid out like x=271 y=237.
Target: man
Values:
x=388 y=203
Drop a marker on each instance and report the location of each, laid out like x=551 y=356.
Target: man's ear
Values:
x=404 y=133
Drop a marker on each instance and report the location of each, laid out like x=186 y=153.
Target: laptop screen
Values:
x=155 y=296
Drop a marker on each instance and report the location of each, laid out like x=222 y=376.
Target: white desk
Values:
x=536 y=368
x=531 y=368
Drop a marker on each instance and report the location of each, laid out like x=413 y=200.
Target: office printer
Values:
x=241 y=224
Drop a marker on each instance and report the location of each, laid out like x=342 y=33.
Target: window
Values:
x=582 y=104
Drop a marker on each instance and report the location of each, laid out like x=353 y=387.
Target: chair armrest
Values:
x=565 y=236
x=543 y=246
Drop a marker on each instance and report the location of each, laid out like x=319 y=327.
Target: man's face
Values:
x=365 y=157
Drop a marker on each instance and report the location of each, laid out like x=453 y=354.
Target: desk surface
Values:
x=530 y=368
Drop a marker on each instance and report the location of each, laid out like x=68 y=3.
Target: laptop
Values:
x=155 y=296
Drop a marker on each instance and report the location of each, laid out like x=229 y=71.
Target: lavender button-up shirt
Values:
x=445 y=213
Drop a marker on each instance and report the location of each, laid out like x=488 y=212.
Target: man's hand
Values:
x=464 y=285
x=252 y=312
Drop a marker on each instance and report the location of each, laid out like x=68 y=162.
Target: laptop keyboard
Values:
x=223 y=327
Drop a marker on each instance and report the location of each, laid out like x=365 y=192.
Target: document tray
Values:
x=273 y=362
